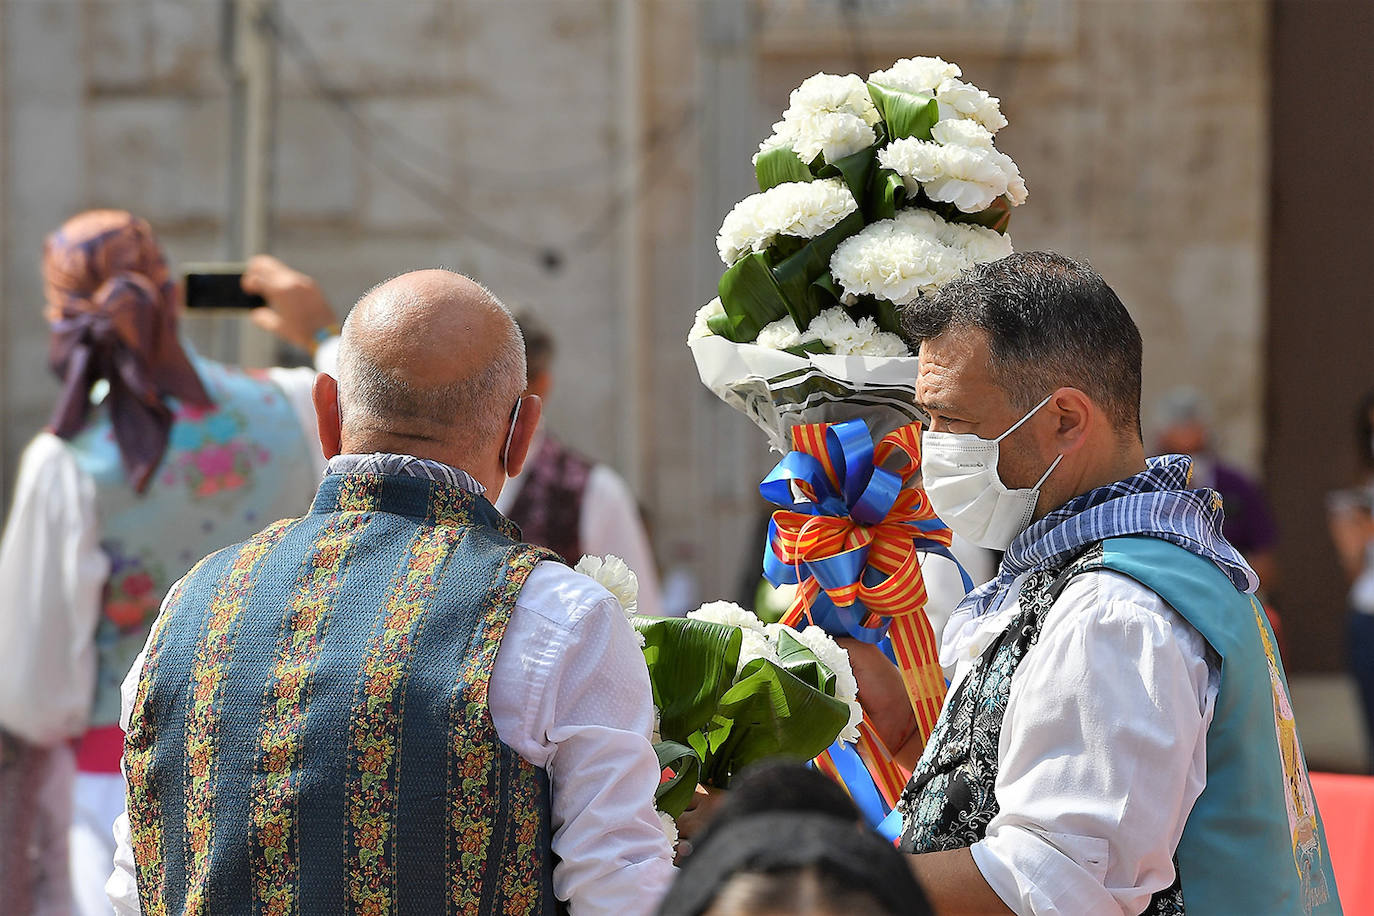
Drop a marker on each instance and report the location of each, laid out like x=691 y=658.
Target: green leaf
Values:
x=809 y=348
x=906 y=114
x=675 y=794
x=774 y=714
x=885 y=313
x=888 y=195
x=691 y=666
x=855 y=169
x=797 y=659
x=779 y=166
x=796 y=274
x=751 y=298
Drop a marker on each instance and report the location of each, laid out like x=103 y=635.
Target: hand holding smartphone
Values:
x=218 y=287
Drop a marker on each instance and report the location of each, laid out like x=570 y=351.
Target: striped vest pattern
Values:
x=311 y=732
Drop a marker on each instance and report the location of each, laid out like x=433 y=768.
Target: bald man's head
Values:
x=430 y=363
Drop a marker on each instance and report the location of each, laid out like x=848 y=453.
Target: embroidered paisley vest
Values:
x=1253 y=842
x=548 y=508
x=227 y=471
x=311 y=732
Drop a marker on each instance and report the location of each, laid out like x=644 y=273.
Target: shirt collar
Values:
x=405 y=466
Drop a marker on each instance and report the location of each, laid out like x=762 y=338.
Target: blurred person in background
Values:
x=154 y=457
x=787 y=840
x=1350 y=514
x=1185 y=429
x=568 y=503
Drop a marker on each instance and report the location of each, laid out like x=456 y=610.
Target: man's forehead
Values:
x=953 y=368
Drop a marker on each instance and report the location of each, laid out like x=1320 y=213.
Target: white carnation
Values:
x=836 y=659
x=980 y=244
x=916 y=75
x=897 y=259
x=826 y=114
x=964 y=100
x=881 y=343
x=959 y=132
x=701 y=327
x=615 y=576
x=969 y=176
x=727 y=613
x=779 y=335
x=826 y=93
x=834 y=134
x=665 y=821
x=800 y=209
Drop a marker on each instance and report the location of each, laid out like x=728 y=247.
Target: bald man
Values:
x=392 y=705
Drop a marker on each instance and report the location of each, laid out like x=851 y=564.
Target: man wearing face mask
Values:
x=1118 y=735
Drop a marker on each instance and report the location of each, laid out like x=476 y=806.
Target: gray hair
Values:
x=472 y=411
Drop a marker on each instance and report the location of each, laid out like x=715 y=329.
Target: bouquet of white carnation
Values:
x=731 y=691
x=872 y=193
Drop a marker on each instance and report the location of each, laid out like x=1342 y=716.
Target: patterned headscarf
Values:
x=113 y=310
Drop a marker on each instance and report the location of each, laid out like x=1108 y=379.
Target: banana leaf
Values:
x=691 y=666
x=772 y=713
x=675 y=794
x=751 y=299
x=779 y=166
x=905 y=114
x=796 y=273
x=887 y=194
x=798 y=660
x=856 y=169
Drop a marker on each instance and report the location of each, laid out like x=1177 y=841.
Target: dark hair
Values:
x=787 y=839
x=1051 y=322
x=538 y=344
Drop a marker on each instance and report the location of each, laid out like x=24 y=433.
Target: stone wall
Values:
x=1140 y=127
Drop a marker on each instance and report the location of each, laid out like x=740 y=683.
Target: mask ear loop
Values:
x=1017 y=425
x=1046 y=476
x=510 y=433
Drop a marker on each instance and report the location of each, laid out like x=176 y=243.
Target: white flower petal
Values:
x=800 y=209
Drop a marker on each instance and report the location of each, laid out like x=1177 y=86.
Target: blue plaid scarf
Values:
x=1156 y=502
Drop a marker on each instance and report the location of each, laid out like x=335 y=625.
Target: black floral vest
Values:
x=951 y=799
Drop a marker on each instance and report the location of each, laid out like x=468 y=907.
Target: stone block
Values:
x=118 y=44
x=414 y=146
x=317 y=166
x=42 y=40
x=185 y=40
x=382 y=48
x=165 y=157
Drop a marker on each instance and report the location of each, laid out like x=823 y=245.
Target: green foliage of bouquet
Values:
x=731 y=691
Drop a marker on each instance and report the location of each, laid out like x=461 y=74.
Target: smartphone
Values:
x=218 y=287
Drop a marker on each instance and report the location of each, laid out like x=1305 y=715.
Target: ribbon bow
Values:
x=849 y=534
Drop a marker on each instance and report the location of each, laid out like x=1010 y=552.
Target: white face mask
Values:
x=960 y=474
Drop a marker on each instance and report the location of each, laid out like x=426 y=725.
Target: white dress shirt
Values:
x=609 y=524
x=1103 y=749
x=569 y=692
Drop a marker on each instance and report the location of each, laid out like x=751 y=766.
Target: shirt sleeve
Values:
x=1102 y=753
x=611 y=524
x=54 y=571
x=570 y=693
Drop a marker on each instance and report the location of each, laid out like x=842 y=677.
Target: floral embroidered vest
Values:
x=311 y=732
x=1253 y=842
x=226 y=473
x=548 y=508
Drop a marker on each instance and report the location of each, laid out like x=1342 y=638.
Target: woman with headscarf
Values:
x=153 y=458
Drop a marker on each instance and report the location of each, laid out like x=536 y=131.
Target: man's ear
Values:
x=325 y=394
x=1075 y=413
x=531 y=409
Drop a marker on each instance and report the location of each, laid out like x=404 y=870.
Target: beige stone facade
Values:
x=1140 y=126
